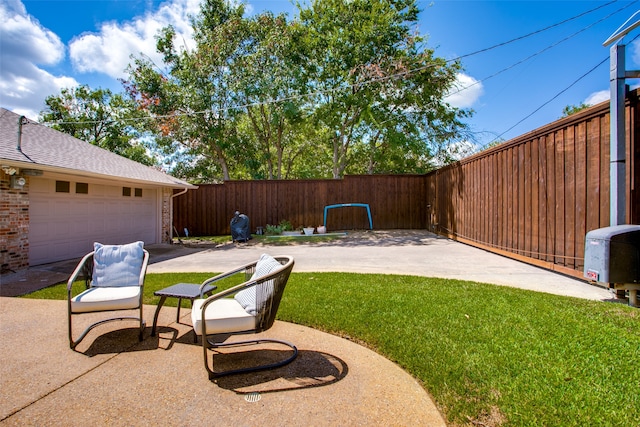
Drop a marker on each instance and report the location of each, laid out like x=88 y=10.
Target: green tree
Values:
x=268 y=84
x=229 y=103
x=572 y=109
x=190 y=98
x=346 y=88
x=100 y=118
x=378 y=91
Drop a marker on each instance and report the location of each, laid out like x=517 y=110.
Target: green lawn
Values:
x=487 y=354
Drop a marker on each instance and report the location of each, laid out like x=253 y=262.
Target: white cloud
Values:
x=465 y=91
x=109 y=51
x=25 y=46
x=598 y=97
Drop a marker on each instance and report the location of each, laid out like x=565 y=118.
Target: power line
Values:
x=537 y=31
x=542 y=50
x=298 y=96
x=547 y=102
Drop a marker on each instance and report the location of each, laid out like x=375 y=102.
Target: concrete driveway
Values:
x=413 y=252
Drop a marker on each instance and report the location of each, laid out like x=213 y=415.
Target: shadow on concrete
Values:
x=309 y=369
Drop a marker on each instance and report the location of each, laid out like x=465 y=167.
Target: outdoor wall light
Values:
x=17 y=182
x=9 y=170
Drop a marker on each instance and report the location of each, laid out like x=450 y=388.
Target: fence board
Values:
x=594 y=155
x=581 y=193
x=570 y=196
x=534 y=217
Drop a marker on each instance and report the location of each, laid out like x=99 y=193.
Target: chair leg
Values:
x=143 y=324
x=213 y=374
x=73 y=343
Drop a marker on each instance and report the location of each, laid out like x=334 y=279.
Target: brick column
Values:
x=167 y=210
x=14 y=226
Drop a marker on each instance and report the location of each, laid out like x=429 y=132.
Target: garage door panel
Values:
x=79 y=208
x=81 y=226
x=38 y=207
x=112 y=192
x=60 y=208
x=97 y=207
x=65 y=225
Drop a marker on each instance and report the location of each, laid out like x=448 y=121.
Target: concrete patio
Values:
x=113 y=379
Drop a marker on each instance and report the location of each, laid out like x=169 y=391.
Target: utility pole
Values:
x=617 y=87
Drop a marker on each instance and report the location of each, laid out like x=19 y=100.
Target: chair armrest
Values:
x=244 y=285
x=79 y=269
x=143 y=269
x=224 y=276
x=228 y=292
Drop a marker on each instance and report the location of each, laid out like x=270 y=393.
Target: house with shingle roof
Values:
x=59 y=194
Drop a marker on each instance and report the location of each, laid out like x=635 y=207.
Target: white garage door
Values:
x=66 y=217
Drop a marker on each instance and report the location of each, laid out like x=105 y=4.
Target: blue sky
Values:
x=46 y=45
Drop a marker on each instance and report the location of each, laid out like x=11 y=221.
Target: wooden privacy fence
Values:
x=536 y=197
x=395 y=201
x=533 y=198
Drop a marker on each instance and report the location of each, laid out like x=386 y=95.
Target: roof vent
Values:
x=22 y=120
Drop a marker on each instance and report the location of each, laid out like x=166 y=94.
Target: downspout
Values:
x=171 y=213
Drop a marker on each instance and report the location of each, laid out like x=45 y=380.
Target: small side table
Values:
x=189 y=291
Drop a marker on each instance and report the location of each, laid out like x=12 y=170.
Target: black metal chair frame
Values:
x=264 y=318
x=84 y=270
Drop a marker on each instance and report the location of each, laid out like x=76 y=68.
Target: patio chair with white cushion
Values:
x=251 y=310
x=114 y=279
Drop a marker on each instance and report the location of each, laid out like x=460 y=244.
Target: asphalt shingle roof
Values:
x=41 y=146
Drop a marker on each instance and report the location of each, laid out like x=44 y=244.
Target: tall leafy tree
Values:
x=229 y=102
x=379 y=91
x=190 y=97
x=346 y=88
x=99 y=117
x=269 y=86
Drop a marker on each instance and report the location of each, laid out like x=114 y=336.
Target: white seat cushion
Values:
x=222 y=316
x=97 y=299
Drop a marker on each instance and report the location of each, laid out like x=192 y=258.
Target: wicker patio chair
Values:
x=114 y=280
x=252 y=310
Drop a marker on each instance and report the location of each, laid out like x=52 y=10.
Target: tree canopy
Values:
x=100 y=118
x=572 y=109
x=345 y=87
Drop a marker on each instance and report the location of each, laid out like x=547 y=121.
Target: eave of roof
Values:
x=35 y=146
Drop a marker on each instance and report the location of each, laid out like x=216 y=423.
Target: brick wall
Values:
x=14 y=226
